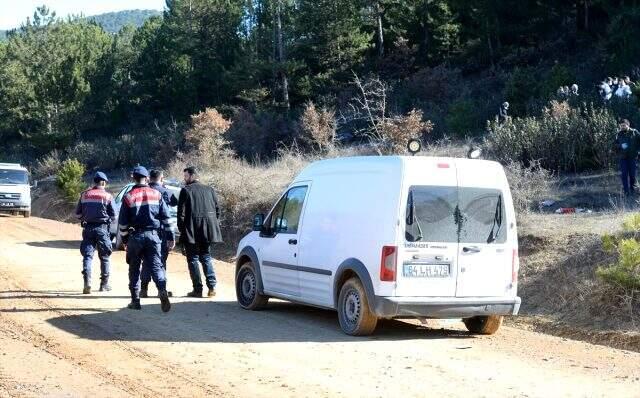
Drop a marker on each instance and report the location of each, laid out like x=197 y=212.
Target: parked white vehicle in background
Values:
x=388 y=237
x=117 y=202
x=15 y=191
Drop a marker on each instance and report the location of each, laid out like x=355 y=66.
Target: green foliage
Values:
x=625 y=273
x=632 y=223
x=562 y=138
x=463 y=118
x=558 y=76
x=69 y=179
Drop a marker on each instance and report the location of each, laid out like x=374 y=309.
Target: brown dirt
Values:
x=57 y=342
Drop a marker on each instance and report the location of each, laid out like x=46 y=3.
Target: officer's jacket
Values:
x=144 y=208
x=95 y=206
x=168 y=196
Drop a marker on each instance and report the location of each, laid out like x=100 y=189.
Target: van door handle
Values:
x=470 y=249
x=293 y=241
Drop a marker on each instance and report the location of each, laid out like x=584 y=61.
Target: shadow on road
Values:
x=54 y=294
x=56 y=244
x=225 y=321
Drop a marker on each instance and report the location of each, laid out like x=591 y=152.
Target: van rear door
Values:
x=485 y=255
x=427 y=259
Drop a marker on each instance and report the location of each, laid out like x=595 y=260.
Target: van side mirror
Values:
x=35 y=184
x=258 y=222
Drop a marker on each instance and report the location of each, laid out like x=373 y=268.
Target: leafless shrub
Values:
x=318 y=126
x=368 y=115
x=529 y=185
x=207 y=135
x=48 y=165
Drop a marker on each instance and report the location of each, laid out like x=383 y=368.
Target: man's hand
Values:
x=171 y=244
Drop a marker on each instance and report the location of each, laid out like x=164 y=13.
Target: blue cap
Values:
x=100 y=176
x=141 y=171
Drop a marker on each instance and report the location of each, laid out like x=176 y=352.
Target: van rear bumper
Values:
x=444 y=307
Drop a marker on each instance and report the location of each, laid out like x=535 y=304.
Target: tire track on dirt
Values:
x=131 y=386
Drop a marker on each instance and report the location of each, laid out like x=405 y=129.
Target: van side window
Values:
x=285 y=217
x=293 y=210
x=484 y=219
x=432 y=213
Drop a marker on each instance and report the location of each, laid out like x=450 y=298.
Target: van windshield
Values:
x=451 y=214
x=13 y=177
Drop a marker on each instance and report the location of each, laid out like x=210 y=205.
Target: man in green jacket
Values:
x=626 y=146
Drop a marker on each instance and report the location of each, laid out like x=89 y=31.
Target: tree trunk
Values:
x=282 y=74
x=426 y=42
x=380 y=32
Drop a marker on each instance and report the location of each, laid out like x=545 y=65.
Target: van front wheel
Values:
x=355 y=316
x=247 y=288
x=483 y=324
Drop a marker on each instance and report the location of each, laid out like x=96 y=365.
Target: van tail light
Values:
x=443 y=165
x=388 y=263
x=515 y=265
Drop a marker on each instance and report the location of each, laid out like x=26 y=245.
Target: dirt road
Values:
x=57 y=342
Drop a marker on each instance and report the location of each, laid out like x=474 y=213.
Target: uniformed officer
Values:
x=157 y=183
x=96 y=212
x=142 y=214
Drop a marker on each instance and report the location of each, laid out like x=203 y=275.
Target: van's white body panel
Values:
x=355 y=206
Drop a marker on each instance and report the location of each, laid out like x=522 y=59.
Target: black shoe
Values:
x=105 y=287
x=86 y=290
x=195 y=293
x=134 y=305
x=144 y=293
x=164 y=301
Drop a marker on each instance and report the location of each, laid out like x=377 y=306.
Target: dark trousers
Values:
x=145 y=245
x=96 y=237
x=164 y=255
x=628 y=174
x=200 y=254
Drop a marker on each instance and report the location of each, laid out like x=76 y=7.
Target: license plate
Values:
x=7 y=204
x=426 y=270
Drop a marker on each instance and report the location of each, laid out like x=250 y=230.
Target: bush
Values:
x=395 y=132
x=562 y=138
x=625 y=272
x=318 y=126
x=207 y=135
x=48 y=165
x=464 y=118
x=529 y=185
x=69 y=179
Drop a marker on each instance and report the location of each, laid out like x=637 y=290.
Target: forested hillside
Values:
x=65 y=85
x=112 y=22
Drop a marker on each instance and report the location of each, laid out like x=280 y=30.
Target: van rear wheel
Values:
x=483 y=324
x=354 y=313
x=247 y=288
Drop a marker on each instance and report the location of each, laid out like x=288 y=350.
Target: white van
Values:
x=15 y=191
x=388 y=237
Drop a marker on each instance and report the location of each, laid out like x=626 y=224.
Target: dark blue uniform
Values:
x=171 y=200
x=142 y=215
x=96 y=212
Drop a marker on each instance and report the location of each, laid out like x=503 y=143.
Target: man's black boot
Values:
x=87 y=285
x=134 y=305
x=144 y=292
x=164 y=301
x=104 y=285
x=195 y=293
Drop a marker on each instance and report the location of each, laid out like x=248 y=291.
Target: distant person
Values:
x=562 y=95
x=198 y=214
x=95 y=211
x=142 y=214
x=605 y=91
x=157 y=183
x=574 y=90
x=503 y=113
x=626 y=147
x=623 y=91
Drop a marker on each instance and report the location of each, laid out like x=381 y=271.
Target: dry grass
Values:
x=559 y=255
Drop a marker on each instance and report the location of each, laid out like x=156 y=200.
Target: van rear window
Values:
x=451 y=214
